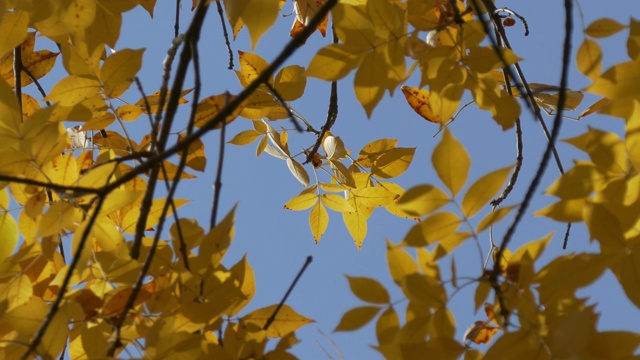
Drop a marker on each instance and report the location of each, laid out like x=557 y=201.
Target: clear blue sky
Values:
x=277 y=241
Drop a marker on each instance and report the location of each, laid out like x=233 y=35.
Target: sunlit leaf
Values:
x=356 y=318
x=373 y=150
x=451 y=162
x=603 y=27
x=13 y=27
x=400 y=263
x=336 y=203
x=368 y=290
x=418 y=100
x=422 y=200
x=432 y=229
x=118 y=71
x=290 y=82
x=298 y=171
x=483 y=190
x=493 y=217
x=392 y=163
x=195 y=157
x=286 y=321
x=480 y=332
x=318 y=221
x=589 y=59
x=73 y=90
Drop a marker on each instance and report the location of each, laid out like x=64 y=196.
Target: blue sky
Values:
x=277 y=241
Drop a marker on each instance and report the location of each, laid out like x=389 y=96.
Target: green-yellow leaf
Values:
x=318 y=221
x=604 y=27
x=483 y=190
x=451 y=162
x=356 y=318
x=368 y=290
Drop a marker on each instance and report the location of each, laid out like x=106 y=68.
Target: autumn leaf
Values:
x=286 y=320
x=480 y=332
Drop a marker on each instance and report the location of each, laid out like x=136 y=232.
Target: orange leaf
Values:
x=480 y=332
x=418 y=99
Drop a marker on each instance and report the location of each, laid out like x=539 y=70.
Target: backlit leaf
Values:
x=480 y=332
x=13 y=27
x=483 y=190
x=373 y=150
x=356 y=223
x=290 y=82
x=153 y=100
x=401 y=264
x=422 y=200
x=618 y=82
x=118 y=71
x=432 y=229
x=209 y=108
x=451 y=161
x=318 y=221
x=333 y=62
x=604 y=27
x=244 y=137
x=418 y=100
x=286 y=321
x=8 y=233
x=336 y=203
x=301 y=202
x=564 y=210
x=73 y=90
x=589 y=59
x=493 y=217
x=368 y=290
x=392 y=163
x=387 y=326
x=195 y=157
x=356 y=318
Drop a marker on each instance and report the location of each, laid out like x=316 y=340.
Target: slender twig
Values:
x=286 y=295
x=193 y=34
x=66 y=190
x=35 y=81
x=284 y=104
x=566 y=60
x=55 y=305
x=217 y=185
x=17 y=74
x=176 y=25
x=332 y=113
x=216 y=120
x=226 y=35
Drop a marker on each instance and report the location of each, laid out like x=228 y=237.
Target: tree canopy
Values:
x=120 y=122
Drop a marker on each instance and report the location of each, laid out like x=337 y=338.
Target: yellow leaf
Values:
x=260 y=105
x=493 y=217
x=387 y=326
x=595 y=107
x=562 y=276
x=422 y=200
x=374 y=196
x=118 y=71
x=153 y=100
x=298 y=171
x=483 y=190
x=73 y=90
x=210 y=106
x=244 y=275
x=424 y=290
x=286 y=321
x=368 y=290
x=618 y=82
x=16 y=292
x=569 y=210
x=336 y=203
x=480 y=332
x=301 y=202
x=305 y=11
x=401 y=264
x=576 y=183
x=392 y=162
x=484 y=59
x=191 y=233
x=318 y=221
x=8 y=234
x=171 y=172
x=418 y=100
x=333 y=62
x=604 y=27
x=373 y=150
x=451 y=161
x=481 y=294
x=216 y=243
x=356 y=318
x=258 y=15
x=603 y=226
x=131 y=219
x=606 y=150
x=633 y=41
x=13 y=27
x=356 y=223
x=59 y=216
x=532 y=250
x=245 y=137
x=195 y=157
x=290 y=82
x=432 y=229
x=369 y=86
x=251 y=66
x=128 y=112
x=589 y=59
x=486 y=93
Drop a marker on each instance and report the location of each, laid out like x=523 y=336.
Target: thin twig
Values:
x=17 y=74
x=37 y=338
x=66 y=190
x=332 y=113
x=217 y=185
x=176 y=25
x=226 y=35
x=284 y=104
x=216 y=120
x=566 y=60
x=286 y=295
